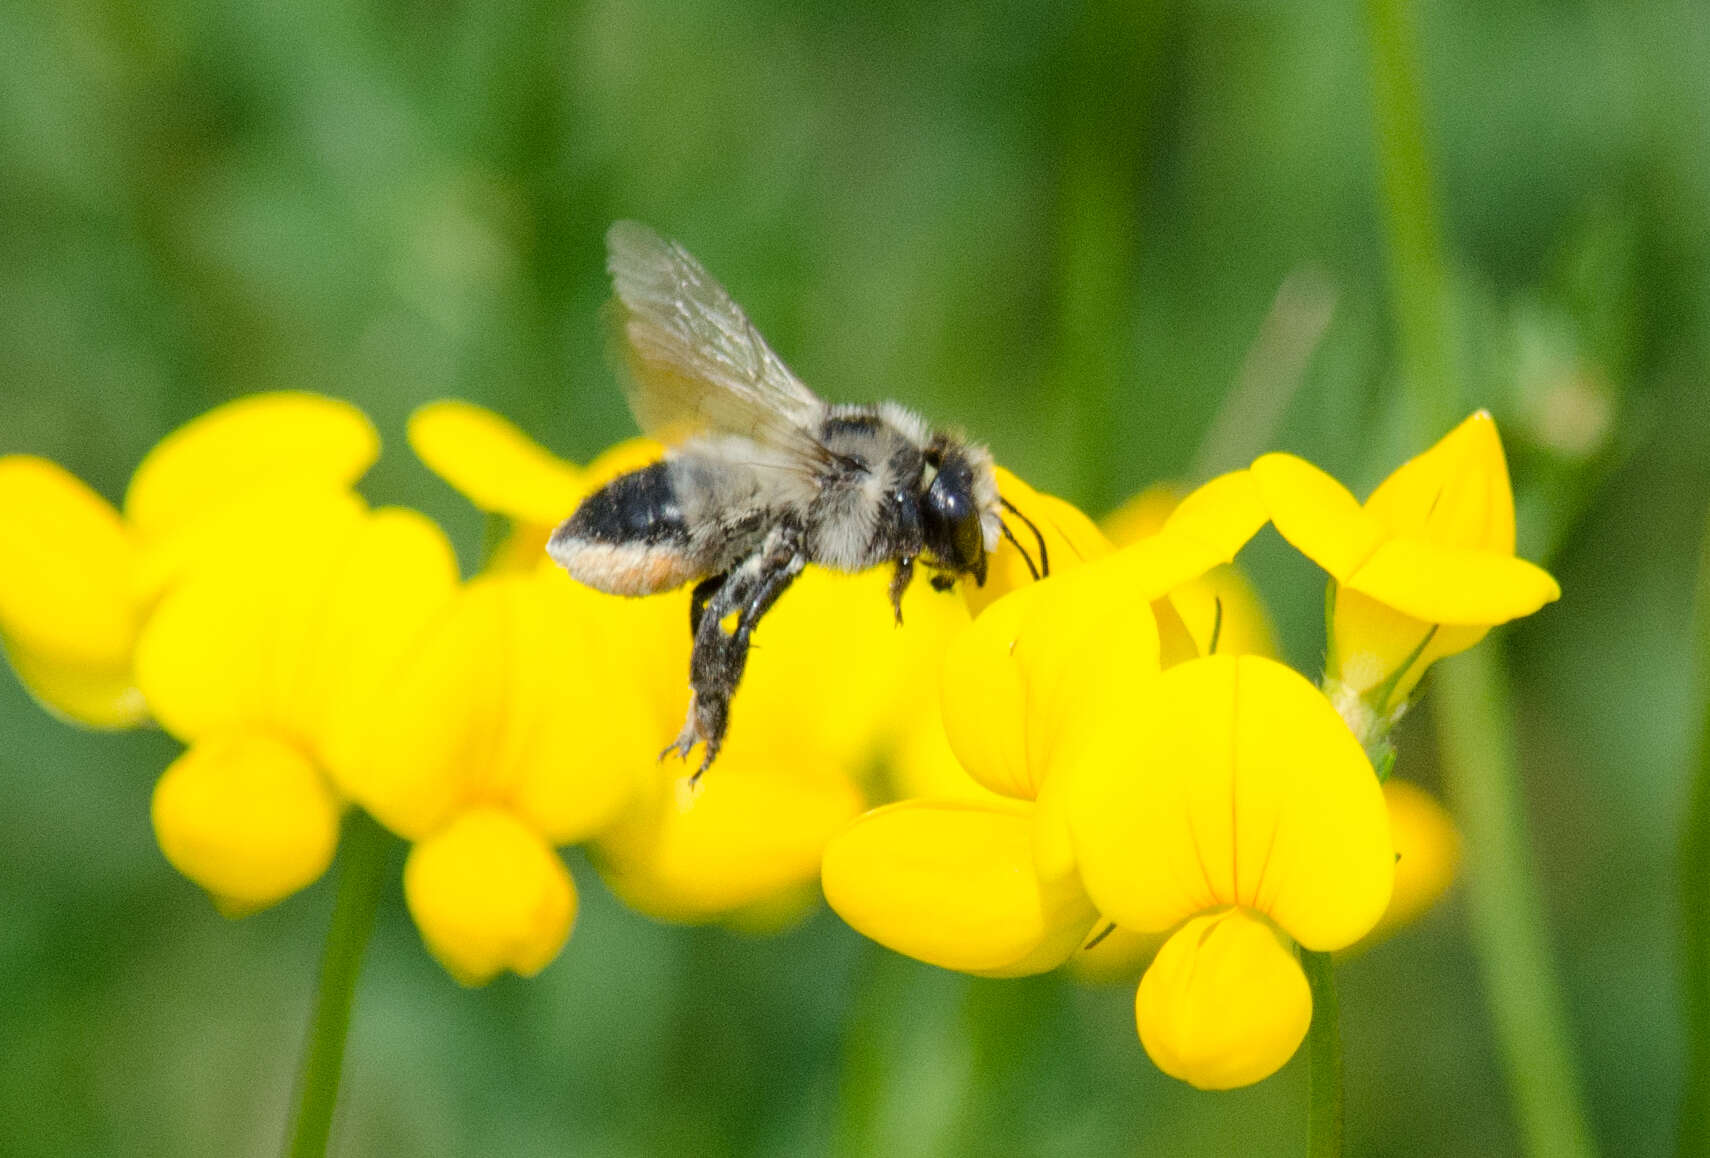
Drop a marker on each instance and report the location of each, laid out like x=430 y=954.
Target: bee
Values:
x=761 y=478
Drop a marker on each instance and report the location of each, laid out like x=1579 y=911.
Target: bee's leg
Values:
x=720 y=656
x=698 y=599
x=899 y=583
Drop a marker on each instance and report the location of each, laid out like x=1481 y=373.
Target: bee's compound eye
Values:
x=953 y=530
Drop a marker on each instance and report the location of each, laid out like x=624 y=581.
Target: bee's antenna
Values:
x=1022 y=551
x=1044 y=556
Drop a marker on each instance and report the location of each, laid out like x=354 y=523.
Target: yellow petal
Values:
x=258 y=440
x=1316 y=513
x=953 y=885
x=1087 y=648
x=67 y=616
x=1427 y=856
x=794 y=704
x=1232 y=782
x=1225 y=1003
x=397 y=576
x=511 y=698
x=247 y=817
x=1313 y=849
x=924 y=766
x=268 y=520
x=1453 y=585
x=1151 y=805
x=80 y=695
x=985 y=701
x=1070 y=539
x=1142 y=516
x=1221 y=515
x=1176 y=642
x=488 y=894
x=1455 y=495
x=575 y=722
x=226 y=647
x=493 y=464
x=748 y=833
x=1222 y=603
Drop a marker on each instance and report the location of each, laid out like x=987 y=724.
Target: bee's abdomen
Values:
x=629 y=537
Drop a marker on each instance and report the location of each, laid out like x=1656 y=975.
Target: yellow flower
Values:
x=77 y=579
x=512 y=728
x=1231 y=805
x=268 y=662
x=1422 y=570
x=988 y=885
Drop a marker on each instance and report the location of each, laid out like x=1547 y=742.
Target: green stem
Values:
x=1474 y=722
x=1419 y=277
x=1324 y=1060
x=362 y=878
x=1695 y=902
x=1474 y=732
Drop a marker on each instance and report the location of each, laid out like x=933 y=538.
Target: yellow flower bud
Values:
x=1224 y=1003
x=488 y=894
x=246 y=816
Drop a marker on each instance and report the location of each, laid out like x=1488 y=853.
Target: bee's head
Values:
x=953 y=514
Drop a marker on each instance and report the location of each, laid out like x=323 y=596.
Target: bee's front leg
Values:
x=900 y=580
x=720 y=655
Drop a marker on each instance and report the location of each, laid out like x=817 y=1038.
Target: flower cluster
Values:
x=313 y=653
x=1116 y=757
x=1145 y=766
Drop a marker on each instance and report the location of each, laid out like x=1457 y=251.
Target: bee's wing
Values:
x=695 y=363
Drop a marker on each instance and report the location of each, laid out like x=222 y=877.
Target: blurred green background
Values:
x=1065 y=228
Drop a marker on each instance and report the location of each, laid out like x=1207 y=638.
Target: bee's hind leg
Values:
x=720 y=656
